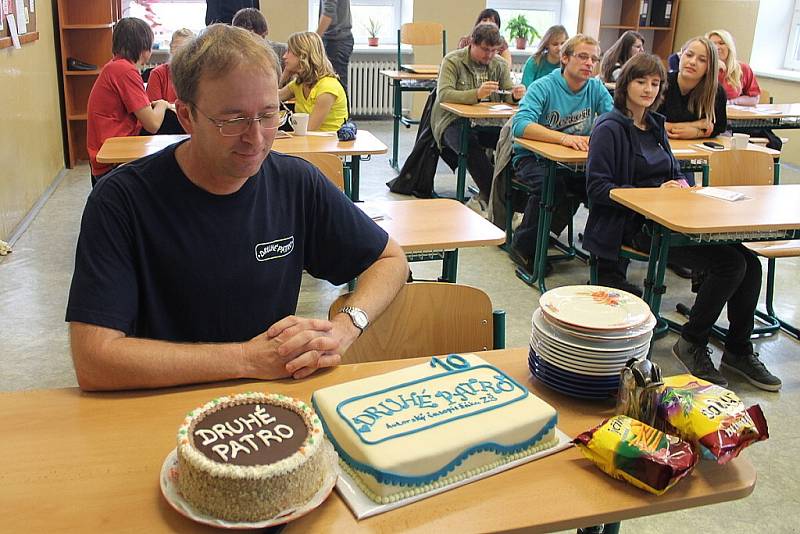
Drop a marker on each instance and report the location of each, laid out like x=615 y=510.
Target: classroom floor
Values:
x=35 y=279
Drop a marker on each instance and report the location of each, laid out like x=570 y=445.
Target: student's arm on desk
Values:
x=446 y=86
x=537 y=132
x=320 y=110
x=152 y=116
x=107 y=359
x=377 y=287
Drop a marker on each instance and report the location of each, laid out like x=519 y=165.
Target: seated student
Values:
x=253 y=20
x=189 y=261
x=560 y=108
x=159 y=85
x=629 y=148
x=467 y=76
x=492 y=16
x=694 y=103
x=628 y=45
x=735 y=77
x=547 y=57
x=314 y=84
x=118 y=104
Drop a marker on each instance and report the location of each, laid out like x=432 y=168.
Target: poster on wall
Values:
x=22 y=23
x=2 y=16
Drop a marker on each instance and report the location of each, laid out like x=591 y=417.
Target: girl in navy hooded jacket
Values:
x=629 y=148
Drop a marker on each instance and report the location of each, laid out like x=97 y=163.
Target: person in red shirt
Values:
x=159 y=84
x=736 y=77
x=118 y=104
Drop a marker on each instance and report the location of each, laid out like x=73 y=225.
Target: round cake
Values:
x=250 y=456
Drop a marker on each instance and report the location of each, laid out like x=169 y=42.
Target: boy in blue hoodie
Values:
x=559 y=108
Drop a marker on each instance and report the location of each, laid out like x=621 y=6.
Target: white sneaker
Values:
x=477 y=205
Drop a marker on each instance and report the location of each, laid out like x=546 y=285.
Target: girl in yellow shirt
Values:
x=314 y=84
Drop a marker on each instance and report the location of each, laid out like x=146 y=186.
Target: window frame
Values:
x=397 y=5
x=791 y=59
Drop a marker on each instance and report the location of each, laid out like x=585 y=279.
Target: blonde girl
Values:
x=314 y=85
x=737 y=78
x=694 y=103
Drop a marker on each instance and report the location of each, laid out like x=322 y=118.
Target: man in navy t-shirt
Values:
x=189 y=261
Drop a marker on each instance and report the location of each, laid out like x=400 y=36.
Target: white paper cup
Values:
x=740 y=141
x=299 y=123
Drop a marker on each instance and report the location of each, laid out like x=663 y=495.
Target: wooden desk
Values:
x=774 y=116
x=555 y=155
x=682 y=217
x=424 y=227
x=126 y=149
x=471 y=115
x=404 y=81
x=81 y=462
x=418 y=68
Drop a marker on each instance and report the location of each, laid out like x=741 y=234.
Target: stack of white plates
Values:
x=581 y=337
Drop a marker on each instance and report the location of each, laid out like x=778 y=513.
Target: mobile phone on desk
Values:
x=713 y=146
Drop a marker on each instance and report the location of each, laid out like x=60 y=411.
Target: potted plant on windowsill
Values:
x=519 y=30
x=373 y=29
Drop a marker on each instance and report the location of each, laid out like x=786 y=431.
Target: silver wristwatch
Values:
x=358 y=316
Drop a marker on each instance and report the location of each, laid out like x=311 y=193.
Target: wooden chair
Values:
x=421 y=33
x=764 y=97
x=330 y=165
x=750 y=167
x=427 y=319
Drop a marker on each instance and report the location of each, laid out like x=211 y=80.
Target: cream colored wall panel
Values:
x=31 y=150
x=696 y=17
x=785 y=92
x=285 y=18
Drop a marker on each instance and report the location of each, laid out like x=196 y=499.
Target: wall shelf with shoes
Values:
x=85 y=28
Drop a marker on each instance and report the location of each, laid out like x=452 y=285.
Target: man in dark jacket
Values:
x=224 y=10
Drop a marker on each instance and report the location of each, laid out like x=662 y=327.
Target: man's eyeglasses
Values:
x=271 y=120
x=489 y=49
x=583 y=58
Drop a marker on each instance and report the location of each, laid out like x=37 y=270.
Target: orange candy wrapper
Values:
x=714 y=417
x=630 y=450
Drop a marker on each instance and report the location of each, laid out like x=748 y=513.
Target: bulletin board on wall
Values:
x=23 y=10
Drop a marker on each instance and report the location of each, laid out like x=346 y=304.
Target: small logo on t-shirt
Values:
x=275 y=249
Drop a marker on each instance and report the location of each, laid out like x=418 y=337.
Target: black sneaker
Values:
x=526 y=264
x=680 y=270
x=697 y=360
x=751 y=368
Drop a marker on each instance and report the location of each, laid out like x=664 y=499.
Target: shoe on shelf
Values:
x=697 y=360
x=752 y=369
x=620 y=283
x=77 y=64
x=679 y=270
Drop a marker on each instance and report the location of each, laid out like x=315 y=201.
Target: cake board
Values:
x=363 y=507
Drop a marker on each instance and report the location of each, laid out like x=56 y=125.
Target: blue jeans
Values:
x=338 y=52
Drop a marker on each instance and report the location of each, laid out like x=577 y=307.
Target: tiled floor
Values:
x=34 y=281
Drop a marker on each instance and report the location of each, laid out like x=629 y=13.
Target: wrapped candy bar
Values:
x=710 y=415
x=638 y=453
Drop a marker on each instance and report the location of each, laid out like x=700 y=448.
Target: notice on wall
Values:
x=2 y=18
x=22 y=26
x=12 y=26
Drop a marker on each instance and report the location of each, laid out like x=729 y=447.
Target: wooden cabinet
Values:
x=654 y=19
x=85 y=28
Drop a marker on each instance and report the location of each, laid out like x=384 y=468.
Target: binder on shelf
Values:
x=644 y=12
x=661 y=13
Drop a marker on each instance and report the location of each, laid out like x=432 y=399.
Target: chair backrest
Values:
x=425 y=319
x=764 y=97
x=740 y=167
x=329 y=165
x=422 y=33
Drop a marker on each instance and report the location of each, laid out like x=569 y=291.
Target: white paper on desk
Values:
x=22 y=27
x=363 y=507
x=501 y=107
x=679 y=151
x=373 y=212
x=720 y=193
x=321 y=134
x=12 y=26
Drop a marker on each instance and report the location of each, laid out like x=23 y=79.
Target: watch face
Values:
x=360 y=319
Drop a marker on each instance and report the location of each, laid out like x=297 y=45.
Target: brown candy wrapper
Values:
x=630 y=450
x=714 y=417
